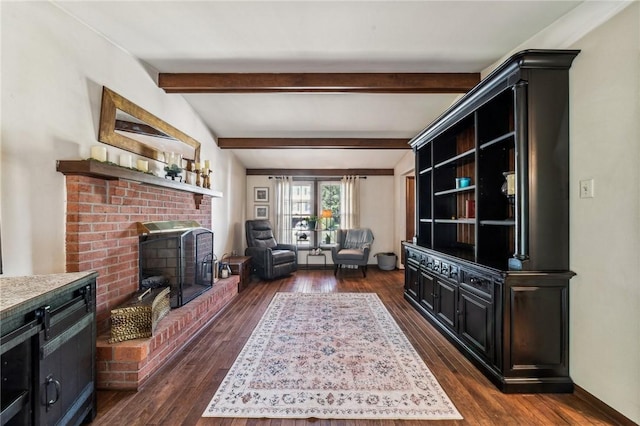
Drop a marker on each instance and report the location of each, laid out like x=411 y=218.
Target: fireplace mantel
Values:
x=107 y=171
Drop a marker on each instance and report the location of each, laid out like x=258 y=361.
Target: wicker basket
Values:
x=138 y=317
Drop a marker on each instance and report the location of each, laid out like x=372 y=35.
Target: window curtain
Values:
x=350 y=202
x=283 y=210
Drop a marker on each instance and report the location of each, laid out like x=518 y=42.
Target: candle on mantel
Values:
x=143 y=165
x=99 y=153
x=196 y=166
x=206 y=165
x=126 y=160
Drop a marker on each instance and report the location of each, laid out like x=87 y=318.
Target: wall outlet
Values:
x=586 y=188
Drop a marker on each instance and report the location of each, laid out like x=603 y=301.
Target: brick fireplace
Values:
x=101 y=235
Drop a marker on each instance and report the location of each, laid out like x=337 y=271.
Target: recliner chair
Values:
x=269 y=259
x=352 y=248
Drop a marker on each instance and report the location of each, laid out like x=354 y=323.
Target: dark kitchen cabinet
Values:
x=446 y=303
x=411 y=285
x=492 y=223
x=48 y=350
x=476 y=323
x=428 y=296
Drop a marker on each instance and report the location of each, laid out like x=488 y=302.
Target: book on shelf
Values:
x=470 y=209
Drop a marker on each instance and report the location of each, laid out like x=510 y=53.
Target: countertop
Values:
x=20 y=293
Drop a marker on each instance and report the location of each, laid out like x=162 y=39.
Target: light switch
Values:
x=586 y=188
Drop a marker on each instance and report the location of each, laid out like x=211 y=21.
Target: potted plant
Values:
x=312 y=222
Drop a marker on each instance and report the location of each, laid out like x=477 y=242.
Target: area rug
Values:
x=329 y=356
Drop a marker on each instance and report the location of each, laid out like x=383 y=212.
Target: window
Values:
x=329 y=210
x=309 y=199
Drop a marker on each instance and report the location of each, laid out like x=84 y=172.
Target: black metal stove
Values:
x=178 y=254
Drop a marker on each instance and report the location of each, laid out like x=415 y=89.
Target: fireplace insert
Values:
x=178 y=254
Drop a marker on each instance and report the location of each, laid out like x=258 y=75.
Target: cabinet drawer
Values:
x=416 y=256
x=477 y=284
x=441 y=268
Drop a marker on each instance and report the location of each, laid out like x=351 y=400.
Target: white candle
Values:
x=191 y=178
x=206 y=165
x=196 y=166
x=99 y=153
x=143 y=165
x=126 y=160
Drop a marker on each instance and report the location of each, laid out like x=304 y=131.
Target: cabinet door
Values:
x=446 y=303
x=427 y=290
x=475 y=323
x=411 y=279
x=16 y=379
x=65 y=379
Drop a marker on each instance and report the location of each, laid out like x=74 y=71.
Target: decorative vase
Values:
x=509 y=190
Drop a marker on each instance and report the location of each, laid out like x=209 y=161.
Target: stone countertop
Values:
x=20 y=293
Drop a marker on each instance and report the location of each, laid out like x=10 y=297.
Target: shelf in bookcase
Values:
x=466 y=252
x=470 y=221
x=423 y=171
x=506 y=222
x=498 y=140
x=426 y=220
x=456 y=158
x=454 y=190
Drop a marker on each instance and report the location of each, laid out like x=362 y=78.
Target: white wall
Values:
x=605 y=230
x=53 y=70
x=404 y=168
x=376 y=211
x=377 y=197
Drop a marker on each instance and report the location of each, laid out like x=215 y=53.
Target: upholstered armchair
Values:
x=352 y=248
x=269 y=259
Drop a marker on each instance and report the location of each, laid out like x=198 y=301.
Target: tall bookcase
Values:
x=502 y=237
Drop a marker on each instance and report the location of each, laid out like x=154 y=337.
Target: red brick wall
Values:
x=101 y=231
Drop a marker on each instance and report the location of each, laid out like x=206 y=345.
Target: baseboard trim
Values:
x=617 y=417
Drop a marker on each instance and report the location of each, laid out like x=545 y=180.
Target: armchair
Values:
x=352 y=248
x=269 y=259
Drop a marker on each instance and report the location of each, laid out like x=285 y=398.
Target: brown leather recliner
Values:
x=269 y=259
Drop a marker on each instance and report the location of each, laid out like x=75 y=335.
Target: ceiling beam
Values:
x=312 y=143
x=318 y=82
x=319 y=172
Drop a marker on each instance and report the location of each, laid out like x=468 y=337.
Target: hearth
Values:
x=178 y=254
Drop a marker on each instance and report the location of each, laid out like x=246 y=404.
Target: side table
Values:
x=324 y=257
x=240 y=265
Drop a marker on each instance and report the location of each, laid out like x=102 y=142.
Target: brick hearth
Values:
x=101 y=235
x=128 y=365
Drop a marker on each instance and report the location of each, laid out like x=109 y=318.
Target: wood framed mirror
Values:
x=127 y=126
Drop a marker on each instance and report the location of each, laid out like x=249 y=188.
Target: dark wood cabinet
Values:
x=446 y=303
x=48 y=351
x=492 y=243
x=427 y=285
x=476 y=323
x=411 y=283
x=241 y=265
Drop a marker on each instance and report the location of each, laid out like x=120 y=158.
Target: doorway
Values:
x=410 y=210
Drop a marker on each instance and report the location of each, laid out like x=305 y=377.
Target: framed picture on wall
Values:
x=262 y=212
x=260 y=194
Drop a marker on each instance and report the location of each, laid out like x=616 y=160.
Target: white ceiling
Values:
x=318 y=36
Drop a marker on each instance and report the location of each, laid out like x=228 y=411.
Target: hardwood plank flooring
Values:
x=179 y=392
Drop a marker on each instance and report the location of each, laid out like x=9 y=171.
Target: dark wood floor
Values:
x=180 y=391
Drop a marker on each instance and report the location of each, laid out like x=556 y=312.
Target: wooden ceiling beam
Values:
x=319 y=172
x=318 y=82
x=312 y=143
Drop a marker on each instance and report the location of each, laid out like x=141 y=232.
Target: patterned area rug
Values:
x=329 y=356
